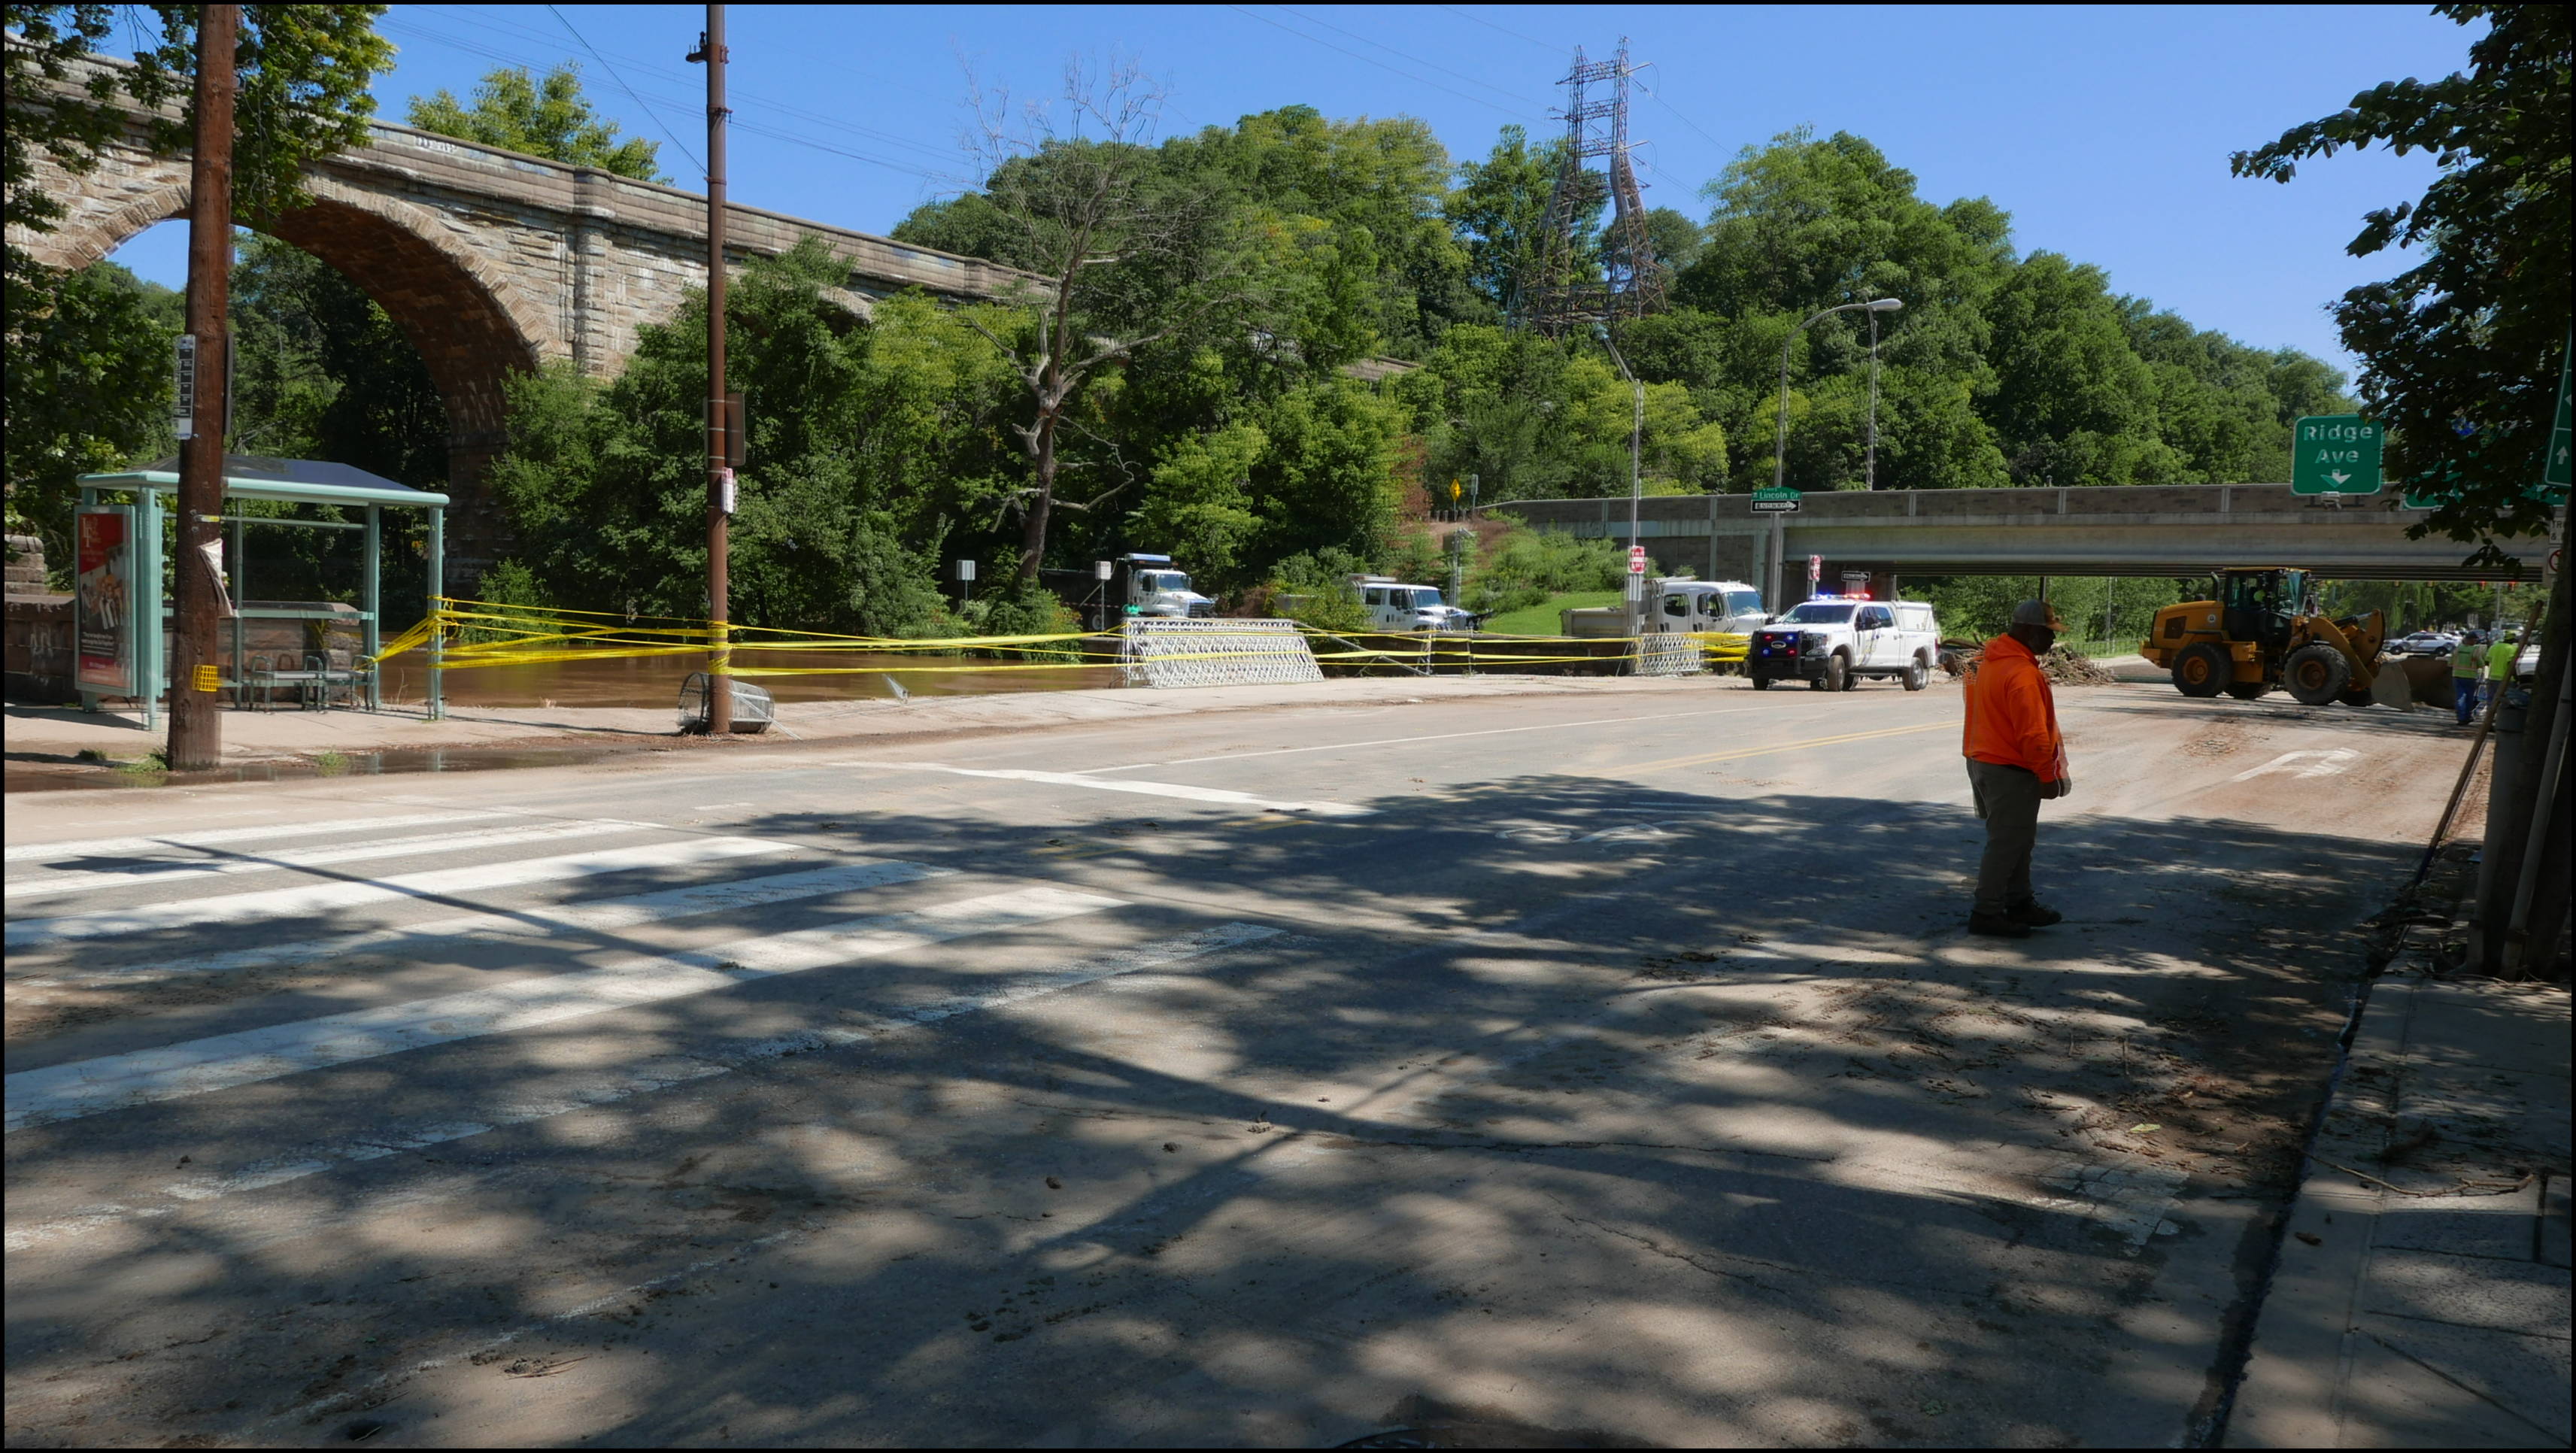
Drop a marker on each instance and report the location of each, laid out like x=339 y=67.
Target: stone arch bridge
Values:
x=490 y=261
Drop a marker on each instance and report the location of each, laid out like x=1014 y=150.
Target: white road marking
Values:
x=223 y=1061
x=539 y=922
x=2322 y=762
x=155 y=875
x=120 y=847
x=1143 y=789
x=323 y=897
x=1556 y=726
x=631 y=1081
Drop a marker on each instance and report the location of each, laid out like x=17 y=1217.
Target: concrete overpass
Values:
x=2110 y=530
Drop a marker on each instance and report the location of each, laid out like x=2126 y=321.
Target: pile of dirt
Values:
x=2069 y=667
x=2064 y=665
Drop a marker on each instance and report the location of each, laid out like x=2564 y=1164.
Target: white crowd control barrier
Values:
x=1670 y=655
x=1159 y=652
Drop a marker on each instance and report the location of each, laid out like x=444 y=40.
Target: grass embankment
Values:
x=1541 y=619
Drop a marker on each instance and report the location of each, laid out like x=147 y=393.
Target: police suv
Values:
x=1832 y=641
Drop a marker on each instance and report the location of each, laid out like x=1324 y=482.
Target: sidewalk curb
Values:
x=2407 y=1320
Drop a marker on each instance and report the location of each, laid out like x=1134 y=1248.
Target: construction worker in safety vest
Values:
x=2016 y=760
x=2468 y=659
x=2500 y=659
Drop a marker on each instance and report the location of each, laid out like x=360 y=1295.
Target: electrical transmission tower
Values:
x=1571 y=279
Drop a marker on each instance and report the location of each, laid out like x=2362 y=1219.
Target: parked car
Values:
x=2424 y=643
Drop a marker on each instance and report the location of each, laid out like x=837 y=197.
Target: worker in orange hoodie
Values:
x=2016 y=761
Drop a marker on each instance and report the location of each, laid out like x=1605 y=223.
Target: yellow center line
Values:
x=1742 y=752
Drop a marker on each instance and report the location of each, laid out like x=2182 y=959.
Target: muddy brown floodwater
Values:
x=655 y=680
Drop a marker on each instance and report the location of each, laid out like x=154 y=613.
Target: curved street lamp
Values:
x=1636 y=449
x=1780 y=443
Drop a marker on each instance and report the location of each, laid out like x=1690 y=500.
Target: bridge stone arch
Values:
x=471 y=325
x=492 y=261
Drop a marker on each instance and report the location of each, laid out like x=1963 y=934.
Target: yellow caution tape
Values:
x=470 y=634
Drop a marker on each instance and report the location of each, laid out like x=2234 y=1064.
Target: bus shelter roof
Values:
x=295 y=481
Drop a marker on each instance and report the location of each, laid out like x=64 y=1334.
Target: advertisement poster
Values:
x=104 y=649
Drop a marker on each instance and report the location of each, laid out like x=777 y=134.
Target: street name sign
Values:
x=2335 y=454
x=1775 y=501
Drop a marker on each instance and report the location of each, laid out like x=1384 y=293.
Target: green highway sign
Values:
x=1775 y=501
x=2335 y=454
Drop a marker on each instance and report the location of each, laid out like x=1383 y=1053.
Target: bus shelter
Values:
x=120 y=645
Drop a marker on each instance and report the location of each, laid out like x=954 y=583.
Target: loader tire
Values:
x=2316 y=674
x=2202 y=671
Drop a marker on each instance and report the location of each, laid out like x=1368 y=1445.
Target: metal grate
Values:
x=1160 y=652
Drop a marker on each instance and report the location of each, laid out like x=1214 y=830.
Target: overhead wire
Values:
x=1373 y=61
x=520 y=59
x=483 y=18
x=629 y=90
x=1417 y=60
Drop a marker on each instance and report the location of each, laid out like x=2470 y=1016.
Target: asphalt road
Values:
x=1613 y=1068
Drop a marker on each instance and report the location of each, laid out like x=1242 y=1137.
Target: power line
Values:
x=1514 y=34
x=1381 y=65
x=775 y=133
x=1417 y=60
x=483 y=19
x=629 y=90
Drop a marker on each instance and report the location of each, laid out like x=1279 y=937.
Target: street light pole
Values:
x=1869 y=469
x=1780 y=442
x=1636 y=477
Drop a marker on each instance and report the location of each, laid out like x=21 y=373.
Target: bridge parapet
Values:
x=2088 y=530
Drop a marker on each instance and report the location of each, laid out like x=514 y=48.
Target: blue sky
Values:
x=2104 y=131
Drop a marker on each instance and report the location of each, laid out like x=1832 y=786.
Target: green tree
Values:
x=1328 y=478
x=302 y=71
x=548 y=117
x=1199 y=505
x=2073 y=402
x=2461 y=352
x=326 y=373
x=1498 y=208
x=88 y=390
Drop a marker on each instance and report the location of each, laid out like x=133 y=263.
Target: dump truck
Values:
x=2263 y=631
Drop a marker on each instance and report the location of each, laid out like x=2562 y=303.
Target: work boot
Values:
x=2002 y=925
x=2036 y=914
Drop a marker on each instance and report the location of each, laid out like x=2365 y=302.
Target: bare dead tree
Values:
x=1124 y=255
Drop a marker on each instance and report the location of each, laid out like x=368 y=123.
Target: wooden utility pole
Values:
x=720 y=420
x=196 y=717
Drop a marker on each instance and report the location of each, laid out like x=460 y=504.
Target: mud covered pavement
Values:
x=1606 y=1070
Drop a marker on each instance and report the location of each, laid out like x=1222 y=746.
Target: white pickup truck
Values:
x=1831 y=642
x=1396 y=606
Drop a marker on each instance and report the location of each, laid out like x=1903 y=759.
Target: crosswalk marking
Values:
x=322 y=897
x=121 y=847
x=158 y=874
x=605 y=914
x=627 y=1082
x=1184 y=791
x=90 y=1087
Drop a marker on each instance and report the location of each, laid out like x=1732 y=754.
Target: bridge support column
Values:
x=478 y=535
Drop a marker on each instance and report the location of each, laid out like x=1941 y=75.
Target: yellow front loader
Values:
x=2264 y=631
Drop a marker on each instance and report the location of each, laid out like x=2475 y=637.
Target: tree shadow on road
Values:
x=1641 y=1114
